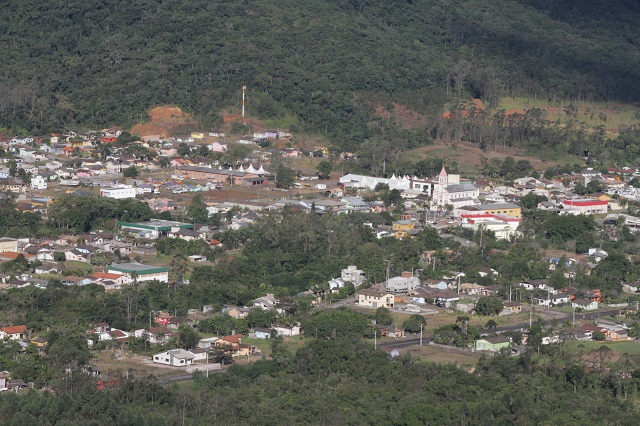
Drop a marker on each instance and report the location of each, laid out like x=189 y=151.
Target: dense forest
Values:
x=309 y=65
x=345 y=381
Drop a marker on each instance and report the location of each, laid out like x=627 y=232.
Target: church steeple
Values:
x=443 y=177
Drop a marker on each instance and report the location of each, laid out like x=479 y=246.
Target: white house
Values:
x=287 y=330
x=38 y=183
x=119 y=192
x=175 y=358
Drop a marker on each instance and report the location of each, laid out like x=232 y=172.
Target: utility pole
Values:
x=420 y=334
x=244 y=88
x=375 y=338
x=531 y=313
x=574 y=315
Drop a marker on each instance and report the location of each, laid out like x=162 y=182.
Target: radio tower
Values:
x=244 y=88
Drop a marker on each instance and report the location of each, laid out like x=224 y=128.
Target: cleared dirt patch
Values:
x=165 y=121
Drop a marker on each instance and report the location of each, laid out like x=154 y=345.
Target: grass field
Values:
x=469 y=156
x=620 y=347
x=444 y=355
x=611 y=115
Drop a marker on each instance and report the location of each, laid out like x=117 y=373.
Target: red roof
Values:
x=234 y=338
x=586 y=203
x=14 y=329
x=106 y=275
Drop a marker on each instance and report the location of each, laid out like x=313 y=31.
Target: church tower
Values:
x=443 y=178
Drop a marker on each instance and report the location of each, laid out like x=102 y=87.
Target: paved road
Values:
x=405 y=343
x=415 y=341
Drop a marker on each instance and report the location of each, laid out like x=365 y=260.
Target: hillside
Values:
x=316 y=65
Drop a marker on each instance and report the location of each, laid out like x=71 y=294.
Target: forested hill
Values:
x=319 y=64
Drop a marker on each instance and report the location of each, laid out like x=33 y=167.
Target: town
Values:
x=452 y=266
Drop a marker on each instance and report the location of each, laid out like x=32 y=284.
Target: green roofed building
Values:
x=143 y=272
x=153 y=228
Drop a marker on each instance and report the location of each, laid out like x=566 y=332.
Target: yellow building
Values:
x=39 y=341
x=508 y=209
x=8 y=244
x=401 y=228
x=375 y=299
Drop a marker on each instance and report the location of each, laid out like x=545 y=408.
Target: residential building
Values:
x=175 y=358
x=39 y=183
x=119 y=192
x=584 y=304
x=8 y=245
x=14 y=332
x=403 y=284
x=492 y=344
x=375 y=299
x=353 y=275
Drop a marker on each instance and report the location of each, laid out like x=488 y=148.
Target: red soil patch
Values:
x=165 y=121
x=478 y=103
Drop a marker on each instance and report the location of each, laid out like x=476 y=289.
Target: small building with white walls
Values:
x=175 y=358
x=38 y=183
x=119 y=192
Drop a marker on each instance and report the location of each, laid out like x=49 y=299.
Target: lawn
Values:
x=444 y=355
x=264 y=345
x=621 y=347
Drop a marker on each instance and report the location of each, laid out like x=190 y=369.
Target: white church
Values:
x=449 y=191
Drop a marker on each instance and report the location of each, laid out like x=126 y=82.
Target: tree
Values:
x=383 y=316
x=488 y=306
x=531 y=200
x=491 y=325
x=183 y=150
x=177 y=269
x=187 y=337
x=131 y=172
x=197 y=209
x=324 y=168
x=413 y=323
x=284 y=177
x=261 y=318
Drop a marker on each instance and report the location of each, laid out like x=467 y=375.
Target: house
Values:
x=401 y=228
x=76 y=255
x=235 y=312
x=46 y=269
x=39 y=341
x=585 y=304
x=154 y=335
x=14 y=332
x=175 y=358
x=353 y=275
x=207 y=342
x=492 y=344
x=266 y=302
x=375 y=299
x=402 y=284
x=287 y=330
